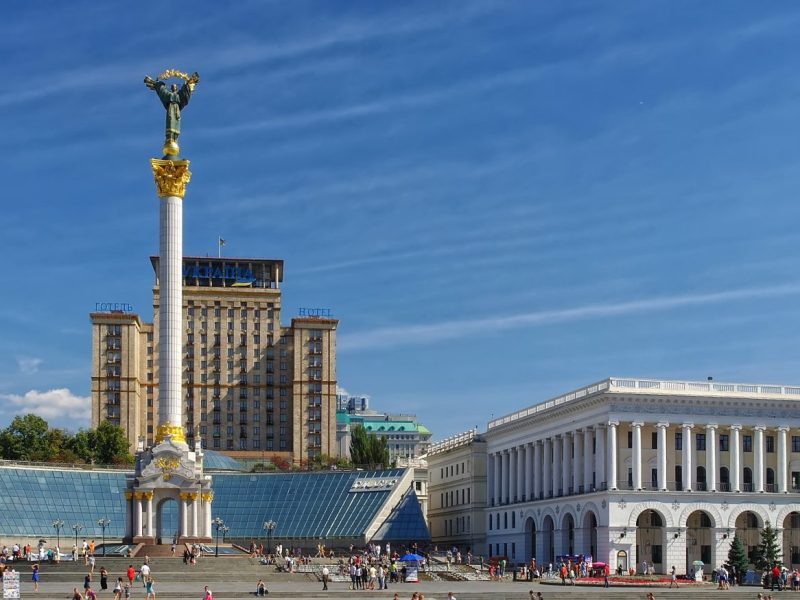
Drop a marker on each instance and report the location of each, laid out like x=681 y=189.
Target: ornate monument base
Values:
x=169 y=472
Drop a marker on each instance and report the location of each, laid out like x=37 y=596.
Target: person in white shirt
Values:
x=325 y=573
x=145 y=573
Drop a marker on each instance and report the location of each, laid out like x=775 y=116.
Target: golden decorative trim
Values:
x=167 y=429
x=138 y=495
x=168 y=466
x=193 y=496
x=185 y=496
x=147 y=495
x=208 y=496
x=171 y=176
x=128 y=495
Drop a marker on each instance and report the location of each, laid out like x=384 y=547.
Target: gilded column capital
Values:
x=147 y=495
x=168 y=429
x=208 y=496
x=138 y=495
x=193 y=496
x=171 y=176
x=184 y=495
x=128 y=495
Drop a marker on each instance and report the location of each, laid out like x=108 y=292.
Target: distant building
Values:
x=252 y=388
x=457 y=488
x=407 y=438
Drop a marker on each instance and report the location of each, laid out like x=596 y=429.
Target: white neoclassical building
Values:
x=629 y=470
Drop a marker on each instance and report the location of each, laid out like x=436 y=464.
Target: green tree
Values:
x=26 y=439
x=82 y=445
x=737 y=556
x=768 y=552
x=111 y=445
x=368 y=449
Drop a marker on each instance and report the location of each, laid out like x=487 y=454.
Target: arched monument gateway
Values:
x=170 y=470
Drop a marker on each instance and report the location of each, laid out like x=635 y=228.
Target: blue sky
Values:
x=500 y=201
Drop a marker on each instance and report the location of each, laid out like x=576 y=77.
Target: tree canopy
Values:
x=367 y=449
x=737 y=556
x=29 y=437
x=768 y=553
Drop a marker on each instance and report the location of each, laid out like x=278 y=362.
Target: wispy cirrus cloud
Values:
x=428 y=333
x=28 y=365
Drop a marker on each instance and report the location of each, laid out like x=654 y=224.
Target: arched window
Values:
x=724 y=475
x=748 y=475
x=701 y=478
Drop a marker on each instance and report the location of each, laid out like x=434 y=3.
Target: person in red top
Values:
x=776 y=578
x=131 y=574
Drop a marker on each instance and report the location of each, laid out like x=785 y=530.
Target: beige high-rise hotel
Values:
x=252 y=388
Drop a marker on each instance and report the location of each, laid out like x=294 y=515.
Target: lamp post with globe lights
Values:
x=104 y=522
x=218 y=525
x=269 y=527
x=58 y=524
x=76 y=528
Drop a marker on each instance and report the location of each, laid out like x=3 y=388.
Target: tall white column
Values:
x=537 y=469
x=662 y=455
x=170 y=333
x=636 y=463
x=150 y=521
x=566 y=463
x=736 y=458
x=209 y=497
x=712 y=448
x=504 y=478
x=783 y=476
x=577 y=460
x=547 y=467
x=612 y=454
x=138 y=520
x=195 y=510
x=600 y=455
x=758 y=458
x=556 y=465
x=520 y=473
x=512 y=474
x=687 y=457
x=183 y=503
x=497 y=474
x=527 y=492
x=588 y=458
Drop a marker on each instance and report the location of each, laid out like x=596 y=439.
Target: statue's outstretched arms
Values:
x=185 y=93
x=150 y=82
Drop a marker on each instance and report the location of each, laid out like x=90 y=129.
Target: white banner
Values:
x=11 y=585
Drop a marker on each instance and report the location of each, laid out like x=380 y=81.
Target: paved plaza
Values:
x=230 y=577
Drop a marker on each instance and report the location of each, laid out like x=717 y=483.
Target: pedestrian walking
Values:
x=103 y=578
x=325 y=573
x=674 y=577
x=118 y=589
x=207 y=595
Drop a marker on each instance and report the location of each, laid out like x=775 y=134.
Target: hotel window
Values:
x=230 y=313
x=218 y=313
x=724 y=442
x=747 y=443
x=700 y=440
x=770 y=443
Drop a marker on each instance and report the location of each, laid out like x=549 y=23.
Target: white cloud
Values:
x=28 y=364
x=59 y=405
x=389 y=337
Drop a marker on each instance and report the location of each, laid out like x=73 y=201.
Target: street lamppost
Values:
x=104 y=522
x=225 y=530
x=218 y=524
x=269 y=527
x=76 y=528
x=58 y=524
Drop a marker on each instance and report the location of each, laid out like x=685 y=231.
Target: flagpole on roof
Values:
x=220 y=244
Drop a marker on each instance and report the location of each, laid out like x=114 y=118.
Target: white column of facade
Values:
x=195 y=515
x=512 y=474
x=783 y=476
x=712 y=448
x=566 y=463
x=687 y=456
x=208 y=517
x=184 y=509
x=556 y=479
x=662 y=455
x=577 y=460
x=138 y=514
x=758 y=458
x=150 y=520
x=527 y=493
x=547 y=467
x=600 y=454
x=504 y=477
x=735 y=449
x=588 y=458
x=537 y=469
x=612 y=454
x=497 y=473
x=637 y=455
x=170 y=311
